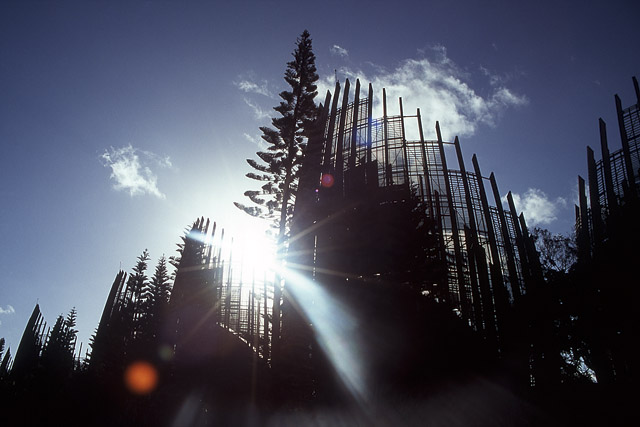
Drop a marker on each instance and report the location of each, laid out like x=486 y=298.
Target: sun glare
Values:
x=251 y=249
x=336 y=329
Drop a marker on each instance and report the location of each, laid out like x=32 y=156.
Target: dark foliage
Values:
x=558 y=253
x=278 y=169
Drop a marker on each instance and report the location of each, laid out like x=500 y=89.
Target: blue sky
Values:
x=121 y=122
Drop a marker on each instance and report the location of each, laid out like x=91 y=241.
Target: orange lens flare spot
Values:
x=326 y=180
x=141 y=377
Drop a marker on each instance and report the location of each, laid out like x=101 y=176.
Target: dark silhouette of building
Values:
x=608 y=231
x=31 y=344
x=380 y=213
x=614 y=181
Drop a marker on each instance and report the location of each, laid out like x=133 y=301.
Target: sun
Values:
x=252 y=249
x=258 y=252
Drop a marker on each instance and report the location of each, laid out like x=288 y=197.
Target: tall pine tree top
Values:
x=278 y=169
x=298 y=108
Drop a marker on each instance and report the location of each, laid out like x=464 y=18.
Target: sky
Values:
x=122 y=122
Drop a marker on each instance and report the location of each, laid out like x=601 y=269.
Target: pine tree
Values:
x=57 y=356
x=156 y=295
x=281 y=161
x=137 y=281
x=160 y=283
x=69 y=324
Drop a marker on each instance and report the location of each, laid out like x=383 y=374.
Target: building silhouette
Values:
x=608 y=229
x=614 y=180
x=378 y=212
x=386 y=228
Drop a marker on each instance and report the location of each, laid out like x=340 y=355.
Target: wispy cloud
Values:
x=494 y=79
x=500 y=80
x=437 y=86
x=131 y=170
x=505 y=98
x=339 y=51
x=537 y=207
x=249 y=86
x=8 y=310
x=258 y=111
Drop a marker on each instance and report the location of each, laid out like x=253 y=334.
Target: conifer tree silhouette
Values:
x=58 y=354
x=155 y=304
x=137 y=281
x=281 y=160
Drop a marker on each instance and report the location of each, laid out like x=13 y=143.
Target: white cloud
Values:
x=500 y=80
x=339 y=51
x=377 y=67
x=252 y=87
x=538 y=209
x=494 y=79
x=8 y=310
x=258 y=112
x=131 y=171
x=439 y=88
x=507 y=98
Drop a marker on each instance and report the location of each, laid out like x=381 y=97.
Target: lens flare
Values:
x=141 y=377
x=327 y=180
x=336 y=329
x=165 y=352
